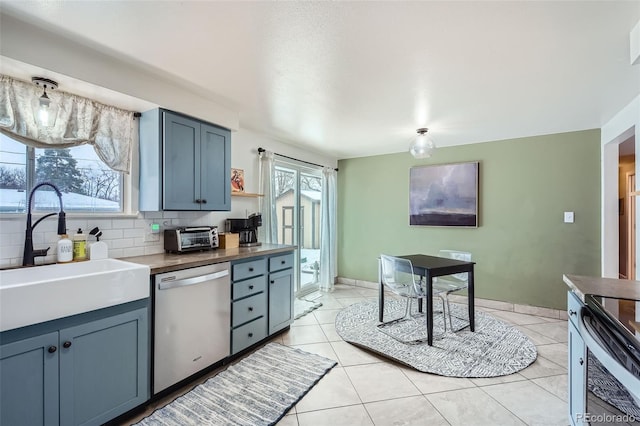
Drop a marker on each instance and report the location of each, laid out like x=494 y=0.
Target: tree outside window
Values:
x=87 y=184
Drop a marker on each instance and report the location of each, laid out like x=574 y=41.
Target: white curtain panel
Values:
x=109 y=130
x=269 y=228
x=328 y=230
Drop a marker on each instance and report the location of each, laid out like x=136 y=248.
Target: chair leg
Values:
x=450 y=315
x=446 y=298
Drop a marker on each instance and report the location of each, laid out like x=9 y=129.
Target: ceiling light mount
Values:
x=422 y=146
x=45 y=83
x=45 y=111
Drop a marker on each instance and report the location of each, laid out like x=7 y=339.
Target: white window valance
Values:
x=108 y=129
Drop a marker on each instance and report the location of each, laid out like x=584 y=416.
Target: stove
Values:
x=612 y=393
x=621 y=317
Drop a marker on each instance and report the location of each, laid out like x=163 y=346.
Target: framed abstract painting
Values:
x=444 y=195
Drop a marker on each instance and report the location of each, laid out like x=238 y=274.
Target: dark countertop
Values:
x=605 y=287
x=165 y=262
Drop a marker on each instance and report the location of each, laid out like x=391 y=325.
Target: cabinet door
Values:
x=577 y=375
x=280 y=300
x=181 y=178
x=29 y=381
x=104 y=368
x=215 y=168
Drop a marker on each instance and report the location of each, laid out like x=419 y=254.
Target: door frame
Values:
x=298 y=220
x=631 y=225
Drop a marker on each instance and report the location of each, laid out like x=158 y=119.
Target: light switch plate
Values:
x=568 y=217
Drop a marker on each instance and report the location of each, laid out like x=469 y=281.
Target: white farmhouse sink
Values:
x=42 y=293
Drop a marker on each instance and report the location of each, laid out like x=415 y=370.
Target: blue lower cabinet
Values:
x=281 y=288
x=29 y=381
x=88 y=371
x=103 y=368
x=577 y=363
x=248 y=334
x=262 y=298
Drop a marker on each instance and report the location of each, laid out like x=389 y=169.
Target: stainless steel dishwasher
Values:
x=192 y=322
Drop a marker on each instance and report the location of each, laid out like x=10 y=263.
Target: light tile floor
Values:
x=367 y=389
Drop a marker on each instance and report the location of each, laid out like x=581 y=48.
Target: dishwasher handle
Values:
x=192 y=281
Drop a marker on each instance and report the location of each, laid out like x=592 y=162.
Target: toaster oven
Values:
x=185 y=239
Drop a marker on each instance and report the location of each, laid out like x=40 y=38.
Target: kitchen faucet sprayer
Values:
x=29 y=253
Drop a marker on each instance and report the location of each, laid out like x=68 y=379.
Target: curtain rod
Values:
x=260 y=150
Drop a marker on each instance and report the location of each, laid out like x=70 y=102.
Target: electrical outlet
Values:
x=568 y=217
x=153 y=233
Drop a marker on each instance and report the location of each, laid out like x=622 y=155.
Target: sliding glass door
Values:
x=298 y=192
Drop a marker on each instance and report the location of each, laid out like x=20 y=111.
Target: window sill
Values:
x=23 y=216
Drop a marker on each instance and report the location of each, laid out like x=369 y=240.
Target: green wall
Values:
x=521 y=247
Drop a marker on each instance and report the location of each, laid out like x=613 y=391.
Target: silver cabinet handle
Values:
x=191 y=281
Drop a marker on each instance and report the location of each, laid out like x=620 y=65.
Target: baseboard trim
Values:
x=488 y=304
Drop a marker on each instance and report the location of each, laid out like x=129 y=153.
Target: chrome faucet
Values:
x=29 y=253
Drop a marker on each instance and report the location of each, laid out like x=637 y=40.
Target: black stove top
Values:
x=620 y=316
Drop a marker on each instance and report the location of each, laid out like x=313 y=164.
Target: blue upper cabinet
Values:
x=215 y=168
x=185 y=164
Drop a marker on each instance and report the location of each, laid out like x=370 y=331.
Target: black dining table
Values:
x=430 y=267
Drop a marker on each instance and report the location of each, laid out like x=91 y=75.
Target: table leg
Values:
x=420 y=300
x=380 y=295
x=470 y=293
x=429 y=309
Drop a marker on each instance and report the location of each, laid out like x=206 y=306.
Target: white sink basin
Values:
x=42 y=293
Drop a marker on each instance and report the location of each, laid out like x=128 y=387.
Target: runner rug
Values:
x=258 y=390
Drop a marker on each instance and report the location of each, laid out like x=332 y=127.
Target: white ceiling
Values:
x=353 y=79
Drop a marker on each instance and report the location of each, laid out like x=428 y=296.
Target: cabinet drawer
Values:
x=247 y=309
x=249 y=269
x=284 y=261
x=248 y=334
x=248 y=287
x=573 y=305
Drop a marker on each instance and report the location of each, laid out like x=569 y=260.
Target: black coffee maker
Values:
x=247 y=228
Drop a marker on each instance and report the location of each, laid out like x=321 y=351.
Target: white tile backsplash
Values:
x=123 y=223
x=124 y=236
x=103 y=224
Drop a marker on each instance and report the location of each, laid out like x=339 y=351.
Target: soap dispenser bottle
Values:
x=79 y=246
x=65 y=249
x=99 y=249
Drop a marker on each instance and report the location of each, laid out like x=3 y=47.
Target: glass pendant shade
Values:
x=45 y=111
x=422 y=146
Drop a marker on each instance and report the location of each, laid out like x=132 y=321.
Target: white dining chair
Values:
x=445 y=285
x=397 y=275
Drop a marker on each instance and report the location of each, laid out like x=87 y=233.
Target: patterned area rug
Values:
x=302 y=307
x=602 y=384
x=494 y=349
x=258 y=390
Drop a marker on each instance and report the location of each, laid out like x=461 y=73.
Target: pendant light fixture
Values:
x=422 y=146
x=45 y=111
